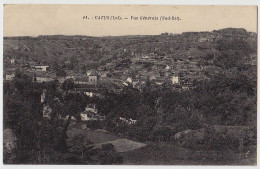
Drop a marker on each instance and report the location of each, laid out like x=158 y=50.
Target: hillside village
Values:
x=166 y=58
x=180 y=88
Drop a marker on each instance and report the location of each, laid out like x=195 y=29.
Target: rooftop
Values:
x=82 y=79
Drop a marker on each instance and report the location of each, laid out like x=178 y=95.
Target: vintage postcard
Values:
x=129 y=84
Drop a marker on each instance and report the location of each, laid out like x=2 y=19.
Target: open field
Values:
x=164 y=153
x=99 y=137
x=94 y=136
x=124 y=145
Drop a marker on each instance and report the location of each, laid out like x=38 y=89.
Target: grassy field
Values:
x=92 y=135
x=99 y=137
x=169 y=154
x=124 y=145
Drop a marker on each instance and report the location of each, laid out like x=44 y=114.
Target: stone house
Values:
x=93 y=78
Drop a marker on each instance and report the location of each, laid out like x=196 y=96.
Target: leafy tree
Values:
x=74 y=104
x=68 y=84
x=232 y=53
x=61 y=73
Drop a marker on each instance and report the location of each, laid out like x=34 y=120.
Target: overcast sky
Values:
x=34 y=20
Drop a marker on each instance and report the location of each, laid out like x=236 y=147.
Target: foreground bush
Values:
x=207 y=139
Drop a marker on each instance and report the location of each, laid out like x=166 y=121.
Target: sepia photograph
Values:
x=129 y=84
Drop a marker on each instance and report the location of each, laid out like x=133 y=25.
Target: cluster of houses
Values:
x=160 y=73
x=148 y=67
x=42 y=73
x=91 y=114
x=141 y=68
x=91 y=78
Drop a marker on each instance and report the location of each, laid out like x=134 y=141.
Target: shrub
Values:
x=95 y=124
x=219 y=141
x=208 y=139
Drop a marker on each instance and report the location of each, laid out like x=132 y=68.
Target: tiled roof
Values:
x=82 y=79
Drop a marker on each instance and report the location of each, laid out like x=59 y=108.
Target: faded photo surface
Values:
x=129 y=84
